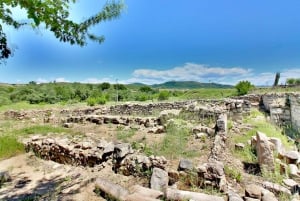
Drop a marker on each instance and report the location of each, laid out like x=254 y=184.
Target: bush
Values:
x=163 y=95
x=92 y=101
x=243 y=87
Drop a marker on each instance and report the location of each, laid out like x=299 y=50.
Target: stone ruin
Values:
x=125 y=160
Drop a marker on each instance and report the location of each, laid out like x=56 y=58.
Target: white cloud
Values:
x=61 y=79
x=190 y=72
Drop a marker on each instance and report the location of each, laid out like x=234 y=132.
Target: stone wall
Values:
x=295 y=110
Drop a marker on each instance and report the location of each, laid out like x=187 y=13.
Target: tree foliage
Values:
x=54 y=15
x=293 y=81
x=243 y=87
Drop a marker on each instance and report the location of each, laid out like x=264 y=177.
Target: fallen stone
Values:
x=276 y=188
x=253 y=191
x=179 y=195
x=146 y=192
x=232 y=196
x=139 y=197
x=111 y=189
x=185 y=165
x=159 y=180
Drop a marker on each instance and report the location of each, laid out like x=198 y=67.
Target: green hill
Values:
x=189 y=85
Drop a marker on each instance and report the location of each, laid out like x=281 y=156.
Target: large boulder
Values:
x=264 y=152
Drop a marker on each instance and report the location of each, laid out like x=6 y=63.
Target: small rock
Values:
x=291 y=157
x=4 y=177
x=232 y=196
x=68 y=125
x=239 y=146
x=185 y=164
x=276 y=188
x=121 y=150
x=201 y=136
x=291 y=184
x=268 y=195
x=253 y=191
x=251 y=199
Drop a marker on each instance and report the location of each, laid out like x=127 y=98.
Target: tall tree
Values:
x=53 y=14
x=276 y=81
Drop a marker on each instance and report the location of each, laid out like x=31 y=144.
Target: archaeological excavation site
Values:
x=237 y=149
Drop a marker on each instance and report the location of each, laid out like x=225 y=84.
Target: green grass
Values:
x=41 y=129
x=175 y=142
x=10 y=146
x=24 y=105
x=275 y=90
x=208 y=93
x=125 y=135
x=259 y=123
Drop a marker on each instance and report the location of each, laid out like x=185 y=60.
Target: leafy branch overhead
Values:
x=53 y=14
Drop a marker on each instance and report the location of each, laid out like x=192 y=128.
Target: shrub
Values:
x=146 y=89
x=91 y=101
x=243 y=87
x=163 y=95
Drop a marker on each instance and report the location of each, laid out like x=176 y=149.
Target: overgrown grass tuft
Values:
x=10 y=146
x=233 y=173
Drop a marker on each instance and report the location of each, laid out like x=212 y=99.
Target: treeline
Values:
x=93 y=94
x=293 y=81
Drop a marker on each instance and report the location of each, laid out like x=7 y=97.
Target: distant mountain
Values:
x=137 y=84
x=188 y=85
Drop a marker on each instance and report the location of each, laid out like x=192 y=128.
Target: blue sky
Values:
x=156 y=41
